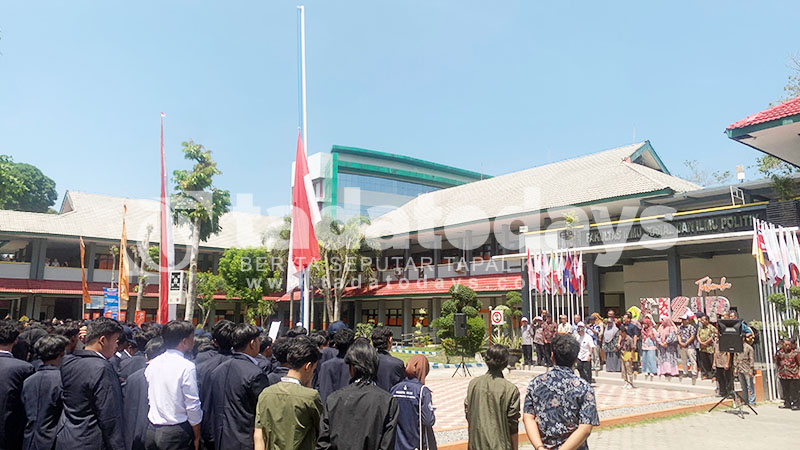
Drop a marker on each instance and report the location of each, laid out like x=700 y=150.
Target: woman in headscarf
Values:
x=415 y=420
x=649 y=347
x=667 y=353
x=611 y=346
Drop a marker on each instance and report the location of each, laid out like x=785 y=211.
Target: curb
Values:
x=453 y=366
x=612 y=421
x=412 y=352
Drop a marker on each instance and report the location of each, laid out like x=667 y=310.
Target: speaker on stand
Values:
x=460 y=331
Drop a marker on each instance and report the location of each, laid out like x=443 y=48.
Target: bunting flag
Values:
x=759 y=247
x=166 y=248
x=303 y=246
x=537 y=270
x=544 y=273
x=85 y=287
x=124 y=275
x=567 y=278
x=531 y=273
x=579 y=273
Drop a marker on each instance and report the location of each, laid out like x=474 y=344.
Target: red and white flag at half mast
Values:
x=167 y=249
x=303 y=246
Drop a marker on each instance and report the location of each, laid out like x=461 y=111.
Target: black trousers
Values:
x=548 y=349
x=791 y=392
x=540 y=354
x=725 y=381
x=704 y=361
x=169 y=437
x=527 y=355
x=585 y=370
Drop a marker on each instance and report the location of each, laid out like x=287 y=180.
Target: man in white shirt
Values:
x=175 y=414
x=586 y=343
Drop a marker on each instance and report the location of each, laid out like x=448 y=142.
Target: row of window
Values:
x=385 y=185
x=394 y=317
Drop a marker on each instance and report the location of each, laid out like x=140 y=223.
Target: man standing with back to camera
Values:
x=175 y=413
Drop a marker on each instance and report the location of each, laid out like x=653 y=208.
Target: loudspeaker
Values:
x=460 y=325
x=730 y=335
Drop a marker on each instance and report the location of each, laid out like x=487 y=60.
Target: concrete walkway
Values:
x=773 y=428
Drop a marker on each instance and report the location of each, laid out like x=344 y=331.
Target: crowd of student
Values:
x=635 y=347
x=105 y=385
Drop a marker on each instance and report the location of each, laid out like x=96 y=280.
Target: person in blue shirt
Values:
x=416 y=408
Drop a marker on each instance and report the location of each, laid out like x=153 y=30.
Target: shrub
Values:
x=778 y=300
x=462 y=300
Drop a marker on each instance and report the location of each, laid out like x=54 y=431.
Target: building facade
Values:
x=368 y=183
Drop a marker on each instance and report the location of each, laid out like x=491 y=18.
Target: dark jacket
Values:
x=132 y=364
x=92 y=404
x=333 y=375
x=265 y=364
x=116 y=360
x=412 y=399
x=277 y=373
x=328 y=353
x=391 y=370
x=360 y=416
x=13 y=373
x=135 y=409
x=202 y=357
x=204 y=370
x=236 y=385
x=41 y=394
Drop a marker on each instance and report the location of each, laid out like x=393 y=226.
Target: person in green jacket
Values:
x=288 y=412
x=492 y=406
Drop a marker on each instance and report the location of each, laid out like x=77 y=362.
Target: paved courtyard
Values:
x=612 y=399
x=773 y=428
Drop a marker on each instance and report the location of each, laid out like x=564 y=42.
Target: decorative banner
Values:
x=705 y=285
x=680 y=306
x=649 y=306
x=663 y=307
x=87 y=316
x=716 y=306
x=123 y=315
x=111 y=298
x=139 y=318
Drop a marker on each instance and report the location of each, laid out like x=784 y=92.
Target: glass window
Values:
x=369 y=316
x=417 y=317
x=394 y=317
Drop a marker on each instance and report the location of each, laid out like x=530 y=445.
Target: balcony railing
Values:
x=10 y=269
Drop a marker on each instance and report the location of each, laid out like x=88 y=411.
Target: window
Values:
x=369 y=316
x=394 y=317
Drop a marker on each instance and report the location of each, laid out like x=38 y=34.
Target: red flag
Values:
x=305 y=248
x=167 y=257
x=532 y=280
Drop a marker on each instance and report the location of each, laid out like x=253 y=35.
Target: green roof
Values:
x=409 y=160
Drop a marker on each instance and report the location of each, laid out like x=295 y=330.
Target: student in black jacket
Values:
x=13 y=373
x=335 y=373
x=135 y=394
x=138 y=360
x=280 y=349
x=222 y=337
x=360 y=415
x=41 y=394
x=92 y=418
x=391 y=370
x=265 y=359
x=236 y=385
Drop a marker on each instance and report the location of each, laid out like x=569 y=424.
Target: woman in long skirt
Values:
x=649 y=347
x=611 y=347
x=667 y=353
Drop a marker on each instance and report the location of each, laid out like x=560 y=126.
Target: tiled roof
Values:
x=605 y=175
x=53 y=287
x=100 y=217
x=480 y=283
x=789 y=108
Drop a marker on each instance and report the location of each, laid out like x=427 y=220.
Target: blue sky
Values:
x=489 y=86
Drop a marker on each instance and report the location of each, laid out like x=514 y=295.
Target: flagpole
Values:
x=305 y=307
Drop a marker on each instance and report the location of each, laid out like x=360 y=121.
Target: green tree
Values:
x=781 y=175
x=343 y=249
x=208 y=285
x=200 y=204
x=704 y=178
x=462 y=300
x=24 y=187
x=249 y=273
x=514 y=311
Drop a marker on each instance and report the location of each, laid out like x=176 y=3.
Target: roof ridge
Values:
x=648 y=171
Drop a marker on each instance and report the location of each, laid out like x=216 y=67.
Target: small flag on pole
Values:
x=166 y=249
x=86 y=297
x=303 y=246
